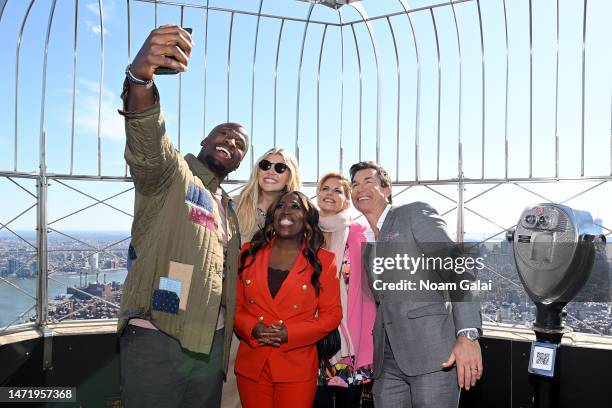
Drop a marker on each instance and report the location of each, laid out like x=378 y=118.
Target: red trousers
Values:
x=266 y=393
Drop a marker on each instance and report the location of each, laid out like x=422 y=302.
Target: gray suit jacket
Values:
x=421 y=332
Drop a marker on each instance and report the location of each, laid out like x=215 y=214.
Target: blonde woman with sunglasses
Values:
x=275 y=172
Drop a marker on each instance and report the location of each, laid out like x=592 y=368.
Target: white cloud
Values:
x=96 y=28
x=93 y=7
x=86 y=119
x=93 y=87
x=108 y=13
x=108 y=8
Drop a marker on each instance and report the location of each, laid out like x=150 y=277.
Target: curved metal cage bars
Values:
x=429 y=75
x=477 y=106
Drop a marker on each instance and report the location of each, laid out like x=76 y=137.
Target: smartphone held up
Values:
x=166 y=70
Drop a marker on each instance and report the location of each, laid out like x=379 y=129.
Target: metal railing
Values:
x=443 y=81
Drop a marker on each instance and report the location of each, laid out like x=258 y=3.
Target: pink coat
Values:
x=361 y=311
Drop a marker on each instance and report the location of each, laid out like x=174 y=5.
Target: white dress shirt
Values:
x=369 y=232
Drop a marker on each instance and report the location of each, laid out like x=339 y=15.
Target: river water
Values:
x=13 y=302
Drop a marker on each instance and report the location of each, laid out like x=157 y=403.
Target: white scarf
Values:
x=338 y=226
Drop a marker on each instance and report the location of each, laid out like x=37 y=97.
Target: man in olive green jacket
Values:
x=177 y=309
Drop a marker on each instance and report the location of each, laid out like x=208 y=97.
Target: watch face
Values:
x=473 y=334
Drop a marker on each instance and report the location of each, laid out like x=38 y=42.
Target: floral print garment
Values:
x=342 y=373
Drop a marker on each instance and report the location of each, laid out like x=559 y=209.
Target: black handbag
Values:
x=329 y=345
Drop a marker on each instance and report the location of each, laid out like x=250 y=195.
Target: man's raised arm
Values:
x=152 y=158
x=163 y=43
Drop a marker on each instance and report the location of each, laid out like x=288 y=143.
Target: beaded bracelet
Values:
x=131 y=78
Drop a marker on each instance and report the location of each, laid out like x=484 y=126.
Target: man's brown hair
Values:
x=383 y=176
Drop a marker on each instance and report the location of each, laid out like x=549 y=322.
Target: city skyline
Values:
x=80 y=291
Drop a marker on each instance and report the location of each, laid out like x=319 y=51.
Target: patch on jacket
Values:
x=165 y=301
x=199 y=198
x=198 y=216
x=201 y=206
x=181 y=273
x=131 y=256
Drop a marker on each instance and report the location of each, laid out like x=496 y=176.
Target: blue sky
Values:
x=199 y=115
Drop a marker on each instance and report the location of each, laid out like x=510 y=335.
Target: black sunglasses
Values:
x=278 y=167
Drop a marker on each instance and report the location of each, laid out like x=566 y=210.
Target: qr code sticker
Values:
x=542 y=359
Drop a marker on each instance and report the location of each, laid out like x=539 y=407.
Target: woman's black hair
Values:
x=312 y=235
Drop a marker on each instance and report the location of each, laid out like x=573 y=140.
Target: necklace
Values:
x=261 y=212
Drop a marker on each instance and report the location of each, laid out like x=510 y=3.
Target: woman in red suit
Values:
x=288 y=298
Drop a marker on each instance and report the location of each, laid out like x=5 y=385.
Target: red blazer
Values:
x=295 y=304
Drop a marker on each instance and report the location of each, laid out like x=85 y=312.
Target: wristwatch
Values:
x=470 y=334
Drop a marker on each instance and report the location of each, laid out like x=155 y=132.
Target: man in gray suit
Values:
x=424 y=351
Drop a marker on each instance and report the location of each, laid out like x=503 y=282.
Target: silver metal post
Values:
x=129 y=55
x=506 y=145
x=459 y=139
x=435 y=27
x=74 y=67
x=299 y=81
x=278 y=44
x=41 y=246
x=16 y=127
x=360 y=87
x=205 y=66
x=252 y=155
x=460 y=175
x=2 y=5
x=399 y=99
x=101 y=89
x=584 y=22
x=557 y=97
x=129 y=31
x=41 y=219
x=460 y=211
x=417 y=113
x=530 y=91
x=483 y=105
x=341 y=146
x=319 y=99
x=229 y=64
x=363 y=14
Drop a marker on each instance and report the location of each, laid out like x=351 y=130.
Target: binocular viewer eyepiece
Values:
x=554 y=250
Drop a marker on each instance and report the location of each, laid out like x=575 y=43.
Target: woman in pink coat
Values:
x=342 y=377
